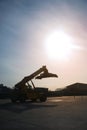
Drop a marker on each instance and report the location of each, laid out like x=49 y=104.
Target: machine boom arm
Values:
x=27 y=78
x=39 y=71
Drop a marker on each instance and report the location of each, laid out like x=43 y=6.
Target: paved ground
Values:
x=60 y=113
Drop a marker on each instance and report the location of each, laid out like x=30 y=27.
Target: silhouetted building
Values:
x=4 y=91
x=76 y=89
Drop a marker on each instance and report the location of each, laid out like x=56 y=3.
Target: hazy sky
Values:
x=24 y=25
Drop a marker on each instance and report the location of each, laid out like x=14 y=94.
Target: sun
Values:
x=59 y=45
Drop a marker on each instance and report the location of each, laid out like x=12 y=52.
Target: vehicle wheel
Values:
x=43 y=98
x=22 y=99
x=33 y=100
x=13 y=100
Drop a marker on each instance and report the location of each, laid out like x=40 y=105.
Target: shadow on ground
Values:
x=21 y=107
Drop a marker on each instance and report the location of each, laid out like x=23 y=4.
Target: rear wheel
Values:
x=22 y=99
x=13 y=100
x=34 y=100
x=43 y=98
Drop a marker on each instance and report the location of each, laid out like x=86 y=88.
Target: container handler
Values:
x=23 y=91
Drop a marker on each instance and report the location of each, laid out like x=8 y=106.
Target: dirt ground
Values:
x=57 y=113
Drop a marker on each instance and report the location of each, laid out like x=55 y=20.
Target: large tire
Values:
x=13 y=100
x=43 y=98
x=34 y=100
x=22 y=99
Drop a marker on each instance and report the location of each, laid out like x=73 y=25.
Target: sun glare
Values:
x=59 y=45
